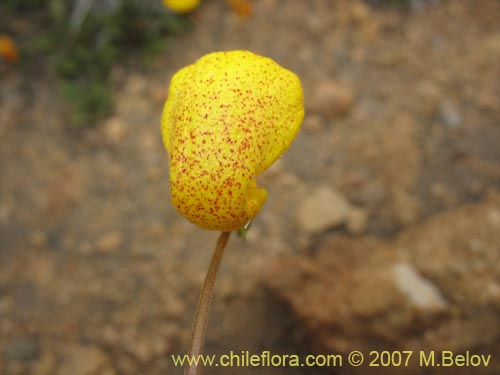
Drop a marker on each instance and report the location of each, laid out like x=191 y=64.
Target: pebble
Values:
x=147 y=349
x=5 y=212
x=159 y=93
x=357 y=220
x=38 y=238
x=175 y=308
x=441 y=192
x=109 y=241
x=155 y=173
x=313 y=123
x=82 y=360
x=143 y=350
x=450 y=115
x=114 y=130
x=420 y=292
x=149 y=142
x=330 y=98
x=290 y=180
x=136 y=84
x=324 y=208
x=494 y=217
x=110 y=335
x=429 y=95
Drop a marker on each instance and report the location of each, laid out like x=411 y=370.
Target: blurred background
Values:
x=382 y=226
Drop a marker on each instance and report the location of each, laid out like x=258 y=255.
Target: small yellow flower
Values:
x=227 y=118
x=181 y=6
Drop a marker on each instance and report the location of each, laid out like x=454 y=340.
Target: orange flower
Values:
x=242 y=8
x=227 y=118
x=8 y=49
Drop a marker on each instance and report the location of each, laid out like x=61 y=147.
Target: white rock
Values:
x=420 y=292
x=450 y=115
x=324 y=208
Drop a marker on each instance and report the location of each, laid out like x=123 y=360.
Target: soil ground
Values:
x=100 y=275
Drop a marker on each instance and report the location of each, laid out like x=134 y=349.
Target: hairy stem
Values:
x=201 y=316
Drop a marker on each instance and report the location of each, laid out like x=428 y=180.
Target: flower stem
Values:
x=201 y=316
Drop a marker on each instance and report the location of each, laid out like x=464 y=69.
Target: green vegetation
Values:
x=82 y=44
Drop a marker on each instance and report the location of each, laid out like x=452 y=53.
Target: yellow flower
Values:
x=227 y=118
x=181 y=6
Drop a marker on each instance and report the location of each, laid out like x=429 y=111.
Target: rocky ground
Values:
x=381 y=230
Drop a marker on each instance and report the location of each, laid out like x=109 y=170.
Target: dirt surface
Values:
x=397 y=299
x=380 y=230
